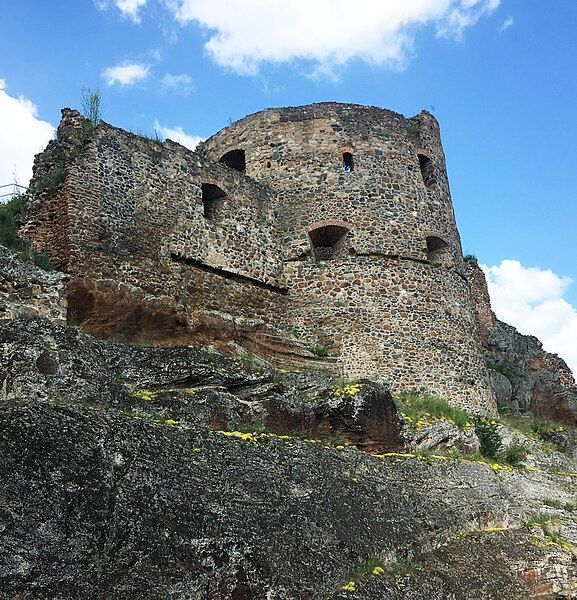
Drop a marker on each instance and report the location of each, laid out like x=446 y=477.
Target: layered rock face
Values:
x=126 y=477
x=524 y=377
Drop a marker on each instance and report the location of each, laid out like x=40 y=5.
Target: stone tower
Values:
x=327 y=227
x=371 y=251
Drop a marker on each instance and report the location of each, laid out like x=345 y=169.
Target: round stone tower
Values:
x=372 y=254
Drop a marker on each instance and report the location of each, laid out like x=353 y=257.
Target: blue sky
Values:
x=499 y=76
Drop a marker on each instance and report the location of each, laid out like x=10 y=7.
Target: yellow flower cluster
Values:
x=498 y=467
x=349 y=389
x=142 y=394
x=171 y=423
x=247 y=437
x=378 y=571
x=348 y=587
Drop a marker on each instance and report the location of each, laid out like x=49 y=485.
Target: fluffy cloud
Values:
x=181 y=84
x=176 y=134
x=126 y=73
x=507 y=23
x=22 y=135
x=328 y=32
x=128 y=8
x=531 y=299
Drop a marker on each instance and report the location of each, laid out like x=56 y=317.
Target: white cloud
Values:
x=22 y=135
x=507 y=23
x=328 y=32
x=128 y=8
x=531 y=299
x=181 y=84
x=126 y=73
x=177 y=134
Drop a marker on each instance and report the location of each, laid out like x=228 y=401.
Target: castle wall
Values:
x=384 y=304
x=150 y=256
x=136 y=217
x=384 y=199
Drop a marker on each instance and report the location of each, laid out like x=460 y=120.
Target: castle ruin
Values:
x=294 y=232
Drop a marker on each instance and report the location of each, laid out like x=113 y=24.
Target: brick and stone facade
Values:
x=330 y=225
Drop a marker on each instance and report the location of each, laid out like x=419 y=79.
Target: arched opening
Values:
x=235 y=159
x=212 y=197
x=427 y=169
x=437 y=250
x=327 y=241
x=348 y=162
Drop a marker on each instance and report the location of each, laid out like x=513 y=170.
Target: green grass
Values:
x=514 y=455
x=416 y=405
x=256 y=427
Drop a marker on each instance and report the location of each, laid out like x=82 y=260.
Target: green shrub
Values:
x=506 y=369
x=489 y=438
x=91 y=102
x=470 y=258
x=514 y=455
x=319 y=350
x=413 y=129
x=11 y=216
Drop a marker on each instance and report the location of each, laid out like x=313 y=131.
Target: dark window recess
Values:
x=327 y=241
x=212 y=197
x=348 y=162
x=437 y=250
x=427 y=170
x=235 y=159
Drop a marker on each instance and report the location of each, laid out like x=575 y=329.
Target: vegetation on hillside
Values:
x=11 y=215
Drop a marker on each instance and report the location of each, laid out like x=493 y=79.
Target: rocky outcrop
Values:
x=195 y=387
x=147 y=473
x=524 y=377
x=28 y=290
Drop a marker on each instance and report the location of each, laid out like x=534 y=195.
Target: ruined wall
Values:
x=137 y=229
x=387 y=305
x=26 y=290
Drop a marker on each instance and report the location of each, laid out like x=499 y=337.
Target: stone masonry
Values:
x=328 y=226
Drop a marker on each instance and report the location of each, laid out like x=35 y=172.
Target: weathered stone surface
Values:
x=118 y=485
x=540 y=382
x=191 y=386
x=502 y=387
x=439 y=437
x=28 y=290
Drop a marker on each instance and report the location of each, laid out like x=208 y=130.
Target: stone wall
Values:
x=390 y=300
x=136 y=227
x=26 y=290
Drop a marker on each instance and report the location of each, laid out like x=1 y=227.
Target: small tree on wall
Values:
x=91 y=103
